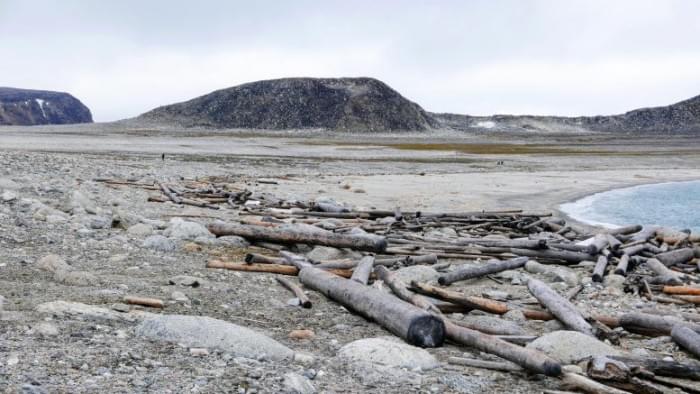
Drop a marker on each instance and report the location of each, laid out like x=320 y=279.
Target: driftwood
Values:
x=304 y=301
x=143 y=301
x=683 y=290
x=363 y=270
x=416 y=326
x=491 y=267
x=599 y=270
x=400 y=290
x=662 y=367
x=579 y=382
x=269 y=268
x=254 y=258
x=677 y=256
x=687 y=339
x=560 y=307
x=666 y=275
x=494 y=365
x=473 y=302
x=653 y=325
x=622 y=265
x=370 y=243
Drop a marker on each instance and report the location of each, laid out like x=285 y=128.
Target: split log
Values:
x=143 y=301
x=473 y=302
x=599 y=270
x=674 y=257
x=471 y=271
x=653 y=325
x=580 y=382
x=687 y=339
x=298 y=292
x=416 y=326
x=363 y=270
x=494 y=365
x=370 y=243
x=622 y=265
x=684 y=290
x=662 y=367
x=560 y=307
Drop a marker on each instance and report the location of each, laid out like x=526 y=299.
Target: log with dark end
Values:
x=304 y=301
x=416 y=326
x=363 y=270
x=654 y=325
x=369 y=243
x=254 y=258
x=475 y=271
x=674 y=257
x=687 y=339
x=401 y=290
x=560 y=307
x=599 y=270
x=622 y=265
x=663 y=368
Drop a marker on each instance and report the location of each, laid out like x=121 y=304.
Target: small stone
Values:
x=199 y=352
x=75 y=278
x=324 y=253
x=12 y=360
x=159 y=243
x=191 y=247
x=140 y=230
x=100 y=222
x=179 y=296
x=304 y=358
x=180 y=229
x=46 y=329
x=496 y=295
x=297 y=384
x=301 y=334
x=514 y=315
x=53 y=263
x=120 y=307
x=359 y=191
x=8 y=196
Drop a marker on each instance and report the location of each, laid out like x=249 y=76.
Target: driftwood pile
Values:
x=659 y=264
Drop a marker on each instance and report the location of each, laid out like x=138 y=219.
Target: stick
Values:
x=269 y=268
x=496 y=366
x=560 y=307
x=575 y=381
x=491 y=267
x=370 y=243
x=684 y=290
x=298 y=292
x=363 y=270
x=143 y=301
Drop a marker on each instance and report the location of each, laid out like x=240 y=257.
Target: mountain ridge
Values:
x=27 y=107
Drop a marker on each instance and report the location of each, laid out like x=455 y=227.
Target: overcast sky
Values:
x=122 y=58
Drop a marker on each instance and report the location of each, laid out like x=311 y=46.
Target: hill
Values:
x=25 y=107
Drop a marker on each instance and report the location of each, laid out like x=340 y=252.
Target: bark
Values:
x=491 y=267
x=416 y=326
x=560 y=307
x=370 y=243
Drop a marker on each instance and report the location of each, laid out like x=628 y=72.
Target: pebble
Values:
x=301 y=334
x=199 y=352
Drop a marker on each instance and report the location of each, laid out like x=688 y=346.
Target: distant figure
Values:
x=162 y=156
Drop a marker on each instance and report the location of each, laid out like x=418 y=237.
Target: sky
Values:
x=545 y=57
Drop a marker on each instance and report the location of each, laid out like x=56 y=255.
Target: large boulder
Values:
x=181 y=229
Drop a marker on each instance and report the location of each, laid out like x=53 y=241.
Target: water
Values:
x=673 y=204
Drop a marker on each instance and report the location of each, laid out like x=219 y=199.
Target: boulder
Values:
x=180 y=229
x=159 y=243
x=53 y=263
x=388 y=351
x=571 y=346
x=140 y=230
x=206 y=332
x=297 y=384
x=418 y=273
x=324 y=253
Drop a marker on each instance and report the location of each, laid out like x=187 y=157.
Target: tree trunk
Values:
x=491 y=267
x=560 y=307
x=687 y=339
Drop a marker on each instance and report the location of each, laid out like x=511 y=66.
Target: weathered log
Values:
x=644 y=234
x=684 y=290
x=370 y=243
x=492 y=326
x=613 y=242
x=599 y=270
x=625 y=230
x=416 y=326
x=473 y=302
x=633 y=250
x=144 y=301
x=687 y=339
x=678 y=256
x=401 y=290
x=692 y=299
x=521 y=340
x=474 y=271
x=622 y=265
x=428 y=259
x=504 y=243
x=363 y=270
x=268 y=268
x=171 y=195
x=598 y=242
x=580 y=382
x=547 y=254
x=653 y=325
x=560 y=307
x=304 y=301
x=668 y=276
x=254 y=258
x=494 y=365
x=662 y=367
x=529 y=359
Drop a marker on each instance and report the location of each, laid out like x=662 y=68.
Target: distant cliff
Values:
x=36 y=107
x=343 y=104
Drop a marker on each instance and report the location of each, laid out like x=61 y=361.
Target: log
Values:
x=693 y=299
x=473 y=302
x=428 y=259
x=505 y=243
x=493 y=326
x=613 y=242
x=599 y=270
x=416 y=326
x=580 y=382
x=494 y=365
x=560 y=307
x=668 y=276
x=598 y=243
x=674 y=257
x=683 y=290
x=491 y=267
x=644 y=234
x=370 y=243
x=687 y=339
x=143 y=301
x=653 y=325
x=254 y=258
x=626 y=229
x=363 y=270
x=298 y=292
x=171 y=195
x=622 y=265
x=662 y=367
x=400 y=290
x=548 y=254
x=268 y=268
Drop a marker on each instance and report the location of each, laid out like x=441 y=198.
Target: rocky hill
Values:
x=37 y=107
x=343 y=104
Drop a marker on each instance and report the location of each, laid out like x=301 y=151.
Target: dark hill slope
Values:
x=24 y=107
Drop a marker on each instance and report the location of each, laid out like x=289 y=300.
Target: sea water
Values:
x=673 y=204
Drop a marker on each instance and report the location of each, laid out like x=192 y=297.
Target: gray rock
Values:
x=515 y=315
x=571 y=346
x=231 y=241
x=53 y=263
x=460 y=383
x=181 y=229
x=8 y=196
x=206 y=332
x=159 y=243
x=81 y=203
x=179 y=296
x=140 y=230
x=615 y=281
x=75 y=278
x=124 y=218
x=53 y=219
x=46 y=329
x=324 y=253
x=3 y=300
x=418 y=273
x=552 y=273
x=65 y=309
x=100 y=222
x=297 y=384
x=8 y=184
x=389 y=352
x=496 y=295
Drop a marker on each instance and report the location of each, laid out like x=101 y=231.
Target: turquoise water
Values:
x=674 y=204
